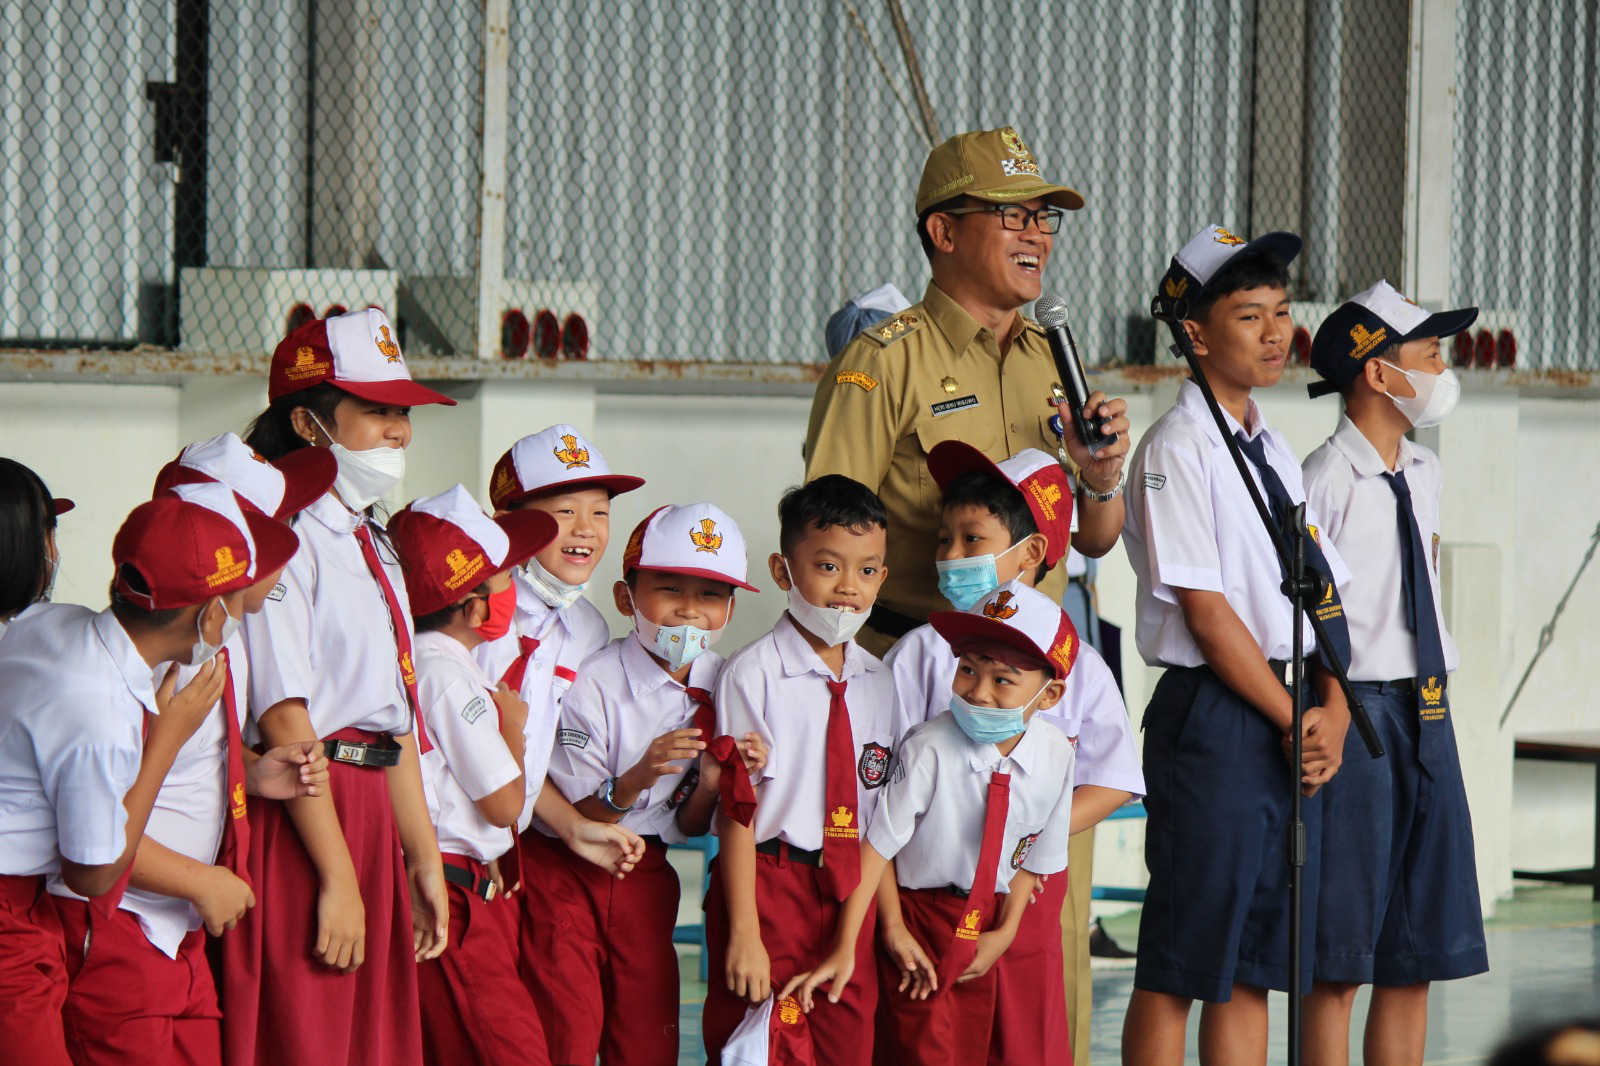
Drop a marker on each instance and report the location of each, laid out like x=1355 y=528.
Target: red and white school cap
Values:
x=558 y=457
x=697 y=539
x=1039 y=477
x=195 y=542
x=61 y=505
x=358 y=352
x=282 y=488
x=448 y=546
x=1018 y=617
x=777 y=1033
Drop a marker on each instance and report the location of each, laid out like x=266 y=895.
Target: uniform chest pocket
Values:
x=971 y=426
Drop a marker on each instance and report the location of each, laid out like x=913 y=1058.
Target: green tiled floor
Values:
x=1544 y=954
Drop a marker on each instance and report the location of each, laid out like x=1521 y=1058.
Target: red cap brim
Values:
x=615 y=484
x=949 y=459
x=529 y=532
x=400 y=393
x=691 y=571
x=62 y=505
x=958 y=627
x=276 y=543
x=308 y=474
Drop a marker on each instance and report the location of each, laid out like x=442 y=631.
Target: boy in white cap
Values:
x=976 y=810
x=474 y=1006
x=633 y=748
x=1212 y=612
x=825 y=708
x=540 y=633
x=1399 y=904
x=1004 y=522
x=87 y=736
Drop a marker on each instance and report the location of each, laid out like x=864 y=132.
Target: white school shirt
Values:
x=188 y=813
x=71 y=737
x=623 y=701
x=329 y=638
x=1191 y=525
x=1344 y=483
x=567 y=636
x=930 y=819
x=1091 y=712
x=776 y=687
x=469 y=759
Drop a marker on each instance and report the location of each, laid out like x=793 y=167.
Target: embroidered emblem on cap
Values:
x=571 y=453
x=855 y=377
x=306 y=365
x=1001 y=607
x=462 y=569
x=1062 y=654
x=505 y=483
x=789 y=1011
x=1365 y=341
x=1175 y=287
x=1013 y=142
x=706 y=538
x=1222 y=236
x=227 y=568
x=386 y=345
x=1047 y=496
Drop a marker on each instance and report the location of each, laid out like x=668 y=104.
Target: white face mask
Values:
x=551 y=589
x=364 y=476
x=1436 y=396
x=678 y=645
x=202 y=652
x=831 y=625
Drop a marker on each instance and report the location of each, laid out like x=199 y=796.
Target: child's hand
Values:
x=182 y=710
x=499 y=878
x=1037 y=892
x=657 y=761
x=991 y=946
x=748 y=970
x=608 y=846
x=222 y=899
x=836 y=970
x=755 y=752
x=341 y=924
x=919 y=978
x=289 y=771
x=513 y=710
x=1322 y=746
x=430 y=909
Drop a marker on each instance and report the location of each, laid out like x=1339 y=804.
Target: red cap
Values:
x=448 y=546
x=1037 y=476
x=357 y=352
x=282 y=488
x=62 y=505
x=1017 y=617
x=194 y=543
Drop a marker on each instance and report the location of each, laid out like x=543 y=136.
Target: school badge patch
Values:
x=685 y=788
x=1020 y=854
x=873 y=766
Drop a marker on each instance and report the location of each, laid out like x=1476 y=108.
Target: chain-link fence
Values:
x=655 y=181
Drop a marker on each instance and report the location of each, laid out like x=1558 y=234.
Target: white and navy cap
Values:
x=696 y=539
x=282 y=488
x=862 y=312
x=1369 y=322
x=1208 y=251
x=558 y=457
x=1017 y=617
x=358 y=352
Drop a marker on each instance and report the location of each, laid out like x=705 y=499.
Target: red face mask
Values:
x=502 y=608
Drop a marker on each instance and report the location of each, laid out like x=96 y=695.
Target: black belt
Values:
x=482 y=887
x=1405 y=686
x=781 y=850
x=892 y=623
x=356 y=753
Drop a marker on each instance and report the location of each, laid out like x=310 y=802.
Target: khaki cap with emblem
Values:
x=992 y=165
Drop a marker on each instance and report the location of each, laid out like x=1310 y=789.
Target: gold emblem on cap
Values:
x=1001 y=608
x=1365 y=341
x=1175 y=287
x=949 y=385
x=706 y=538
x=462 y=569
x=386 y=345
x=1013 y=142
x=1062 y=653
x=571 y=452
x=306 y=365
x=227 y=568
x=1224 y=237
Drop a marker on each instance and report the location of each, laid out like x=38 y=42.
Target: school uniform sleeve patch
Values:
x=474 y=710
x=572 y=738
x=873 y=766
x=1155 y=482
x=686 y=787
x=865 y=382
x=1020 y=854
x=279 y=591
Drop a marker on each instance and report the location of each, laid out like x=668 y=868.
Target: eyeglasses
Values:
x=1017 y=218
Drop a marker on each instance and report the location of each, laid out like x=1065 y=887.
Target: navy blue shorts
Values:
x=1400 y=885
x=1216 y=911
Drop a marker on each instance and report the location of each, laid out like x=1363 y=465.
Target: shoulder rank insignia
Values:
x=1028 y=323
x=894 y=327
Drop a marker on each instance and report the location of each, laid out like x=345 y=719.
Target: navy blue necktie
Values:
x=1417 y=594
x=1330 y=611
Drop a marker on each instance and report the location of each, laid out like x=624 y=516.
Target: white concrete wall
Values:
x=1519 y=509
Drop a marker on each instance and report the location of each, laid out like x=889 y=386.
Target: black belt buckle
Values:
x=358 y=753
x=482 y=887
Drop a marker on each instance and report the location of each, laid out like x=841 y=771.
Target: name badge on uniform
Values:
x=960 y=403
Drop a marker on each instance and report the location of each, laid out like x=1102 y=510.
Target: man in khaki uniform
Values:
x=964 y=364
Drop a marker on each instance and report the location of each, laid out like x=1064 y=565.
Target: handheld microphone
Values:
x=1051 y=311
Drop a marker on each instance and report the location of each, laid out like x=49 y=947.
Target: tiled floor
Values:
x=1544 y=954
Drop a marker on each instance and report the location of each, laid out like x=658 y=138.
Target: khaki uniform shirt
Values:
x=927 y=375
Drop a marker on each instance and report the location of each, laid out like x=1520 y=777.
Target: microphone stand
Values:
x=1303 y=587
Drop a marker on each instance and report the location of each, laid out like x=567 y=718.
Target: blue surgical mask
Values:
x=966 y=581
x=990 y=725
x=678 y=645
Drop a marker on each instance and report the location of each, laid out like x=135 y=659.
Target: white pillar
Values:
x=492 y=160
x=1430 y=152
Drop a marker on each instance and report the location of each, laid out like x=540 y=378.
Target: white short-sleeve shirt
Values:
x=329 y=639
x=930 y=819
x=71 y=737
x=1191 y=525
x=777 y=688
x=1345 y=483
x=469 y=759
x=623 y=701
x=567 y=636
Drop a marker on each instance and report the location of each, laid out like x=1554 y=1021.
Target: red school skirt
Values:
x=33 y=974
x=279 y=1003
